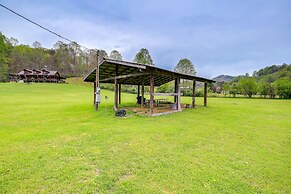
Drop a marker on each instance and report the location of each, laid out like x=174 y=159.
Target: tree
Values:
x=248 y=86
x=37 y=44
x=3 y=58
x=283 y=88
x=233 y=89
x=225 y=88
x=185 y=66
x=13 y=41
x=264 y=89
x=143 y=57
x=115 y=55
x=103 y=54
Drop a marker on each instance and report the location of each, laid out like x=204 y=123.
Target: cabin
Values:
x=36 y=75
x=129 y=73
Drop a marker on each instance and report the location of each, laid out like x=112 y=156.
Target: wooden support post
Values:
x=152 y=86
x=138 y=90
x=142 y=93
x=97 y=80
x=119 y=94
x=116 y=89
x=193 y=94
x=175 y=90
x=179 y=95
x=94 y=101
x=205 y=94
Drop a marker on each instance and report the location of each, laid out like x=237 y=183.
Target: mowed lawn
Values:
x=51 y=140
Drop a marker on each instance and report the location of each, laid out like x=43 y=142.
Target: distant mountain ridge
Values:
x=268 y=74
x=223 y=78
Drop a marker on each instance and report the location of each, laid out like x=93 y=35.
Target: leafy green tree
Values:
x=272 y=91
x=36 y=44
x=248 y=86
x=143 y=57
x=185 y=66
x=3 y=58
x=225 y=88
x=264 y=89
x=103 y=54
x=283 y=88
x=166 y=88
x=115 y=55
x=13 y=41
x=233 y=90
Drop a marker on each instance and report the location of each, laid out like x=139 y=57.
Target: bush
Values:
x=283 y=88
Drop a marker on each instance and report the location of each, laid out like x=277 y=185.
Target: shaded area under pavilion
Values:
x=130 y=73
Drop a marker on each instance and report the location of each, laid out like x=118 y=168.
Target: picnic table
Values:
x=157 y=102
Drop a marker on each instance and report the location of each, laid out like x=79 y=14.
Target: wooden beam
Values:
x=164 y=113
x=94 y=101
x=179 y=95
x=168 y=73
x=152 y=88
x=193 y=94
x=125 y=63
x=175 y=90
x=116 y=89
x=119 y=94
x=165 y=94
x=97 y=79
x=142 y=93
x=205 y=94
x=124 y=76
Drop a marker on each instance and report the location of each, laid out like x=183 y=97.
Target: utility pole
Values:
x=97 y=89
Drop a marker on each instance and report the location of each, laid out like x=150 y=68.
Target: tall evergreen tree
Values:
x=115 y=55
x=185 y=66
x=144 y=57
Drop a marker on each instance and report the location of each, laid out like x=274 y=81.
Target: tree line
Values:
x=270 y=82
x=70 y=60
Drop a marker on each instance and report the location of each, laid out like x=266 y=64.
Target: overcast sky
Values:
x=219 y=36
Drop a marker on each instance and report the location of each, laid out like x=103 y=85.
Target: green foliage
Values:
x=53 y=141
x=271 y=69
x=143 y=57
x=166 y=88
x=3 y=59
x=248 y=86
x=233 y=90
x=283 y=88
x=225 y=88
x=68 y=59
x=185 y=66
x=265 y=89
x=115 y=55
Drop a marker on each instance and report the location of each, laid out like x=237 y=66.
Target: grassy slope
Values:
x=51 y=140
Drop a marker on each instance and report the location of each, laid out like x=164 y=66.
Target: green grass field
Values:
x=52 y=141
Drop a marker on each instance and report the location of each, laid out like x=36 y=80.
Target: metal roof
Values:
x=134 y=73
x=37 y=72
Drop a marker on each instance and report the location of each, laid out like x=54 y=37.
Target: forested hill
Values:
x=68 y=59
x=274 y=72
x=268 y=74
x=223 y=78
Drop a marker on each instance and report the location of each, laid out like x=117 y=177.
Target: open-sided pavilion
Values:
x=129 y=73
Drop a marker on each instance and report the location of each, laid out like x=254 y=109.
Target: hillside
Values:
x=223 y=78
x=268 y=74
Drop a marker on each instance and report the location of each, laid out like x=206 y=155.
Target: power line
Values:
x=44 y=28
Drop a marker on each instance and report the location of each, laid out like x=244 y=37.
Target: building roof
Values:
x=37 y=72
x=134 y=73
